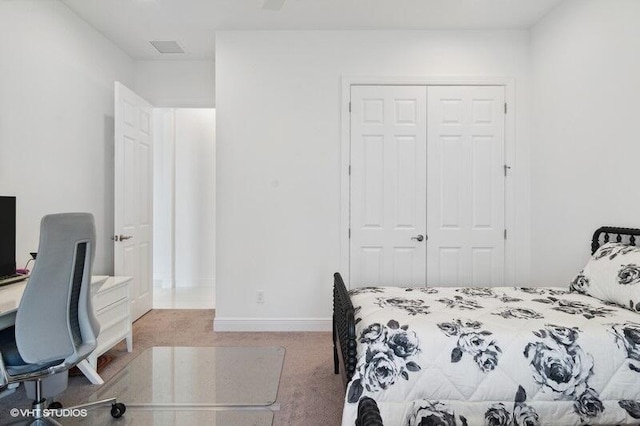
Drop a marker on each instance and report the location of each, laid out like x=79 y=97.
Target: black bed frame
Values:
x=623 y=235
x=344 y=331
x=344 y=326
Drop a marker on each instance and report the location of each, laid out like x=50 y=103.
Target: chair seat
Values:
x=30 y=368
x=8 y=347
x=11 y=356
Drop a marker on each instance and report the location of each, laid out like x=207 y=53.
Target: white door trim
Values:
x=509 y=155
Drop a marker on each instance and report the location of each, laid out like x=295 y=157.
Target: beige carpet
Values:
x=309 y=392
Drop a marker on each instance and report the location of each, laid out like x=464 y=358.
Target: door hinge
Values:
x=349 y=232
x=349 y=169
x=349 y=106
x=505 y=107
x=506 y=167
x=505 y=234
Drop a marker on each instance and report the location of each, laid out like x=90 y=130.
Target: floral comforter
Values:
x=495 y=356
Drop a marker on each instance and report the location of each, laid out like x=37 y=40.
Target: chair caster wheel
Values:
x=117 y=410
x=55 y=405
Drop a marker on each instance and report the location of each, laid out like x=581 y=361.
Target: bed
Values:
x=498 y=356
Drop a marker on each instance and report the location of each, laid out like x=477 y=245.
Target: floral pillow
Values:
x=612 y=275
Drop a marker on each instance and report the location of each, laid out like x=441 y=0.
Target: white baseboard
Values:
x=272 y=324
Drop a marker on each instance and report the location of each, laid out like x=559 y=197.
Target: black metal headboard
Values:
x=622 y=235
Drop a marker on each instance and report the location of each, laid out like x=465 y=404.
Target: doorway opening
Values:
x=184 y=208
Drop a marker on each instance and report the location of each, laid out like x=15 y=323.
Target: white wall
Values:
x=163 y=197
x=176 y=83
x=278 y=97
x=584 y=151
x=56 y=119
x=195 y=194
x=184 y=203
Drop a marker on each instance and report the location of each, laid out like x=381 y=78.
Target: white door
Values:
x=388 y=185
x=133 y=214
x=465 y=186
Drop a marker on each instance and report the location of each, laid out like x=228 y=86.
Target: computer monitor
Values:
x=7 y=236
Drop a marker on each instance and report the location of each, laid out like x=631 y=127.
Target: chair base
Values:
x=40 y=415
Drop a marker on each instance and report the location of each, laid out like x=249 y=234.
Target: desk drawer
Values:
x=109 y=336
x=113 y=314
x=115 y=324
x=102 y=299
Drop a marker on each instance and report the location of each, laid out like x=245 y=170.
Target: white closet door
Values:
x=465 y=186
x=388 y=185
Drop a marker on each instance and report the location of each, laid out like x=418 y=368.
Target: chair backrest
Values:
x=55 y=319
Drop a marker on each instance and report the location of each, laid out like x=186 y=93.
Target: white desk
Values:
x=10 y=296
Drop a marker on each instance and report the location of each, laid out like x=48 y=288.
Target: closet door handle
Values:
x=419 y=237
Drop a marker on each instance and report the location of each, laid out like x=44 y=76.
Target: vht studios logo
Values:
x=62 y=412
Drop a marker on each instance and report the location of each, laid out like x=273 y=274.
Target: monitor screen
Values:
x=7 y=236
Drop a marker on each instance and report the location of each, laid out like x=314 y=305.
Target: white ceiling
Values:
x=131 y=24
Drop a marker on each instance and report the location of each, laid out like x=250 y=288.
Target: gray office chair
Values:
x=55 y=326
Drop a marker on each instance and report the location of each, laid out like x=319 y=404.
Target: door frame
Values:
x=509 y=156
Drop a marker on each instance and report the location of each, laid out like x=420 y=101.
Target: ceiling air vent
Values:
x=165 y=47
